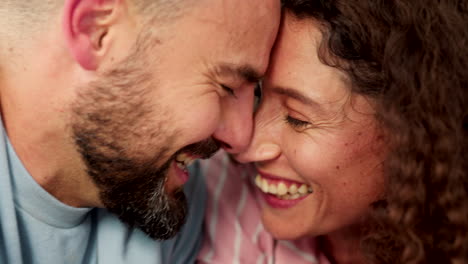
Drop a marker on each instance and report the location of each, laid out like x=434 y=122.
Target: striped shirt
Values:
x=233 y=229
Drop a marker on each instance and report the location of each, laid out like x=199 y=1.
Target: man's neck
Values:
x=34 y=118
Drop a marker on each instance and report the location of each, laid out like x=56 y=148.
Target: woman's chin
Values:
x=283 y=230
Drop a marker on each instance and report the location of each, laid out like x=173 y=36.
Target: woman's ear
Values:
x=86 y=24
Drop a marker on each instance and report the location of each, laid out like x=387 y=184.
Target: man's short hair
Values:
x=31 y=14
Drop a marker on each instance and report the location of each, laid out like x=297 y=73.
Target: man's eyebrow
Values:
x=244 y=72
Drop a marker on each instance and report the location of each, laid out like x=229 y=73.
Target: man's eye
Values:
x=257 y=95
x=296 y=123
x=228 y=89
x=258 y=90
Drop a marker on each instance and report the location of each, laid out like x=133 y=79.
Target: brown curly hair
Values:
x=411 y=57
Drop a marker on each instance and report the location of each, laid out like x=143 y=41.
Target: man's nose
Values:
x=265 y=143
x=235 y=129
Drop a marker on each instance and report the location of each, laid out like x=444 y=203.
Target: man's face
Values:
x=184 y=91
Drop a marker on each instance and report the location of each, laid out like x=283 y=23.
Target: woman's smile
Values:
x=280 y=192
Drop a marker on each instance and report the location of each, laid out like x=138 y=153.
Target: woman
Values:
x=360 y=141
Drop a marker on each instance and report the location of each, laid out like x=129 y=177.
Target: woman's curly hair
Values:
x=411 y=57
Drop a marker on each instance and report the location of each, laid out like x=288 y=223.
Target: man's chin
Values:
x=162 y=220
x=169 y=224
x=144 y=203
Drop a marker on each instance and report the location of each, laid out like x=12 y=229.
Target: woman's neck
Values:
x=343 y=247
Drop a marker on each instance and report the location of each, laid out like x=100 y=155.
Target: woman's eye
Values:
x=228 y=89
x=296 y=123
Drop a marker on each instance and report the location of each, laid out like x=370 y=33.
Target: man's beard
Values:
x=125 y=148
x=134 y=190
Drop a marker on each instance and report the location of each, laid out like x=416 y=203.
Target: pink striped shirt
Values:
x=233 y=229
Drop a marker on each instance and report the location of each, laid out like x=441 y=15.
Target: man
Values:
x=103 y=105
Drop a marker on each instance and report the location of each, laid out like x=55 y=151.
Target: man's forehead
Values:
x=239 y=13
x=220 y=37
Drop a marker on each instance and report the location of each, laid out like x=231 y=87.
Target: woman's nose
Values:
x=258 y=151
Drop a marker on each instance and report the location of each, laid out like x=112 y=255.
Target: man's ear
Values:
x=86 y=24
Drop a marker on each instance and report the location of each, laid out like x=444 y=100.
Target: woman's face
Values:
x=316 y=145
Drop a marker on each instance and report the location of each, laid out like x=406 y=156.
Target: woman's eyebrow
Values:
x=297 y=95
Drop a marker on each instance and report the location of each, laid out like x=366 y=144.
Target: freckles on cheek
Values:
x=305 y=162
x=350 y=152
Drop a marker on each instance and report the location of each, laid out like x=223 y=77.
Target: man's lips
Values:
x=181 y=173
x=181 y=162
x=177 y=176
x=202 y=150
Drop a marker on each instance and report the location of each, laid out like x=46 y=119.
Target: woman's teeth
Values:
x=281 y=190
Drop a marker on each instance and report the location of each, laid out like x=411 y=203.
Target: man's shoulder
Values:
x=118 y=243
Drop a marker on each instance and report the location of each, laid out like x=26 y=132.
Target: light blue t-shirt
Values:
x=37 y=228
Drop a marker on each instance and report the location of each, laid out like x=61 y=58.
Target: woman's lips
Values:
x=275 y=202
x=281 y=193
x=273 y=178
